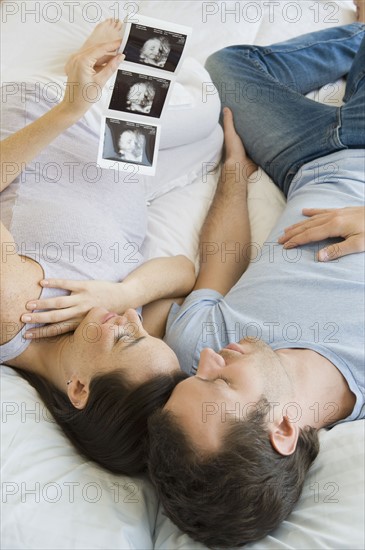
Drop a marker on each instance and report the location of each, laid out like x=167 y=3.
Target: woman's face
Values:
x=106 y=342
x=127 y=142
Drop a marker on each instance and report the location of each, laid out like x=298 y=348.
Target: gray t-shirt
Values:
x=286 y=297
x=75 y=219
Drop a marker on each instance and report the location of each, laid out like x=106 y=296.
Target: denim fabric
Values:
x=265 y=86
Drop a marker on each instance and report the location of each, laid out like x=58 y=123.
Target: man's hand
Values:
x=225 y=234
x=234 y=149
x=88 y=70
x=348 y=223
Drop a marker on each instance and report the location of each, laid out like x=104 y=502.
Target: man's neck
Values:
x=320 y=392
x=44 y=357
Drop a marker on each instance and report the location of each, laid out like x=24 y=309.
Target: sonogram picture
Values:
x=131 y=126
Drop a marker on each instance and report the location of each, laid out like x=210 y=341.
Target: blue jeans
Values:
x=265 y=86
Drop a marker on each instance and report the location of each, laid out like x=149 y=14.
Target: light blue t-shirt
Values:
x=286 y=297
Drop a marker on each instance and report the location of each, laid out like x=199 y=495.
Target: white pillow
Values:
x=331 y=510
x=53 y=498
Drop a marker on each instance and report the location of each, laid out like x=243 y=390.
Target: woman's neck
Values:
x=44 y=357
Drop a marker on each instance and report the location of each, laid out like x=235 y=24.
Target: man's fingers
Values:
x=228 y=123
x=352 y=245
x=234 y=148
x=308 y=231
x=309 y=235
x=314 y=211
x=317 y=219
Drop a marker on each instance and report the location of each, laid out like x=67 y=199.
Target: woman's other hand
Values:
x=64 y=313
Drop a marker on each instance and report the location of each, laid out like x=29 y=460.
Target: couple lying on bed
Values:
x=225 y=411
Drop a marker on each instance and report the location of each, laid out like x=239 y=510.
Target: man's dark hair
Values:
x=235 y=495
x=112 y=428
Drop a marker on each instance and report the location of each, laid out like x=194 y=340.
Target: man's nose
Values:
x=210 y=364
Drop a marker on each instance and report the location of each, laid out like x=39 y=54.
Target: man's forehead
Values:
x=189 y=404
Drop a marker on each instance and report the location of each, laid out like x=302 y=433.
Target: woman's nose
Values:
x=210 y=364
x=131 y=316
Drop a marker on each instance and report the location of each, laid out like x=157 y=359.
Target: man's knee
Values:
x=229 y=69
x=230 y=61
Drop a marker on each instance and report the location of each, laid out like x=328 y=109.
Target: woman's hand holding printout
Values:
x=348 y=223
x=87 y=75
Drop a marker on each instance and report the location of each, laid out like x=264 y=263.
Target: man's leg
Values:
x=280 y=128
x=352 y=131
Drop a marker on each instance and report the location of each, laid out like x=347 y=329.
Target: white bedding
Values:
x=51 y=497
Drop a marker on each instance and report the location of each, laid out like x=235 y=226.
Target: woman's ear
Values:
x=284 y=437
x=78 y=393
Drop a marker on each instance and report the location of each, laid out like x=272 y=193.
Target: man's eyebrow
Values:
x=206 y=380
x=213 y=385
x=202 y=379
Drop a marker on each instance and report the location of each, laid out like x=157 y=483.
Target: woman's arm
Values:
x=159 y=278
x=82 y=70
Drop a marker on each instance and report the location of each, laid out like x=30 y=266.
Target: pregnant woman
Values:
x=65 y=218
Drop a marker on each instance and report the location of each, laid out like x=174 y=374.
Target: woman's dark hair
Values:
x=236 y=495
x=112 y=428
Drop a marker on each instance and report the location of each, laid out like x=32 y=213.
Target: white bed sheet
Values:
x=51 y=497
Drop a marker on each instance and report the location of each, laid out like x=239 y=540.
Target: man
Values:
x=276 y=351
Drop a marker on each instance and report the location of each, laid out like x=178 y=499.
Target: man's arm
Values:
x=226 y=230
x=23 y=146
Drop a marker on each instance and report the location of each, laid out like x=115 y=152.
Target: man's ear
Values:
x=284 y=437
x=78 y=393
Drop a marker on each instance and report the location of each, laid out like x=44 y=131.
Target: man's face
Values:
x=227 y=386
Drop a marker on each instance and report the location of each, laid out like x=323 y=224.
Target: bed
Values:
x=53 y=498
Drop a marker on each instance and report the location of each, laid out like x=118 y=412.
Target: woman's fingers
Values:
x=52 y=330
x=52 y=316
x=94 y=53
x=65 y=284
x=109 y=69
x=61 y=302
